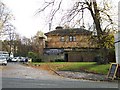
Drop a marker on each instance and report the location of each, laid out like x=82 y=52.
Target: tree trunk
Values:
x=96 y=18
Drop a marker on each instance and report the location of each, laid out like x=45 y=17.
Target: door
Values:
x=66 y=57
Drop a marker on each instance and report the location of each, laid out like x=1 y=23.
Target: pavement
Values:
x=16 y=75
x=84 y=76
x=17 y=70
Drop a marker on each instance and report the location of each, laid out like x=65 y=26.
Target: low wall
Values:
x=82 y=56
x=50 y=58
x=72 y=56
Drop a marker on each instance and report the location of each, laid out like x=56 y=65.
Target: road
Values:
x=16 y=75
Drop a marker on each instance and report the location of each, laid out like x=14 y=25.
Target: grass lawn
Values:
x=76 y=66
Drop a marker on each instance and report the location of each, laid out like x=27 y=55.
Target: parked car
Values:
x=9 y=59
x=15 y=59
x=22 y=59
x=3 y=61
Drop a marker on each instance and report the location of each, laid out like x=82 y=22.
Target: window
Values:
x=72 y=38
x=62 y=39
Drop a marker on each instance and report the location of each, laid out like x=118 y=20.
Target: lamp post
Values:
x=117 y=47
x=117 y=38
x=117 y=43
x=117 y=51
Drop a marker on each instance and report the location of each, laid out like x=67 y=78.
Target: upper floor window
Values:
x=72 y=38
x=62 y=39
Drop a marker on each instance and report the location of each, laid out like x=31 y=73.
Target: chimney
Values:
x=82 y=27
x=59 y=27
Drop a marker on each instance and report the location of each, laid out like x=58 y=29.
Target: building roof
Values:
x=40 y=34
x=73 y=31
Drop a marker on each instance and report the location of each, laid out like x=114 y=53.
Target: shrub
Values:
x=35 y=57
x=37 y=60
x=59 y=60
x=32 y=55
x=100 y=60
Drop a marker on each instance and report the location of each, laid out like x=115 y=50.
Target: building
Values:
x=71 y=44
x=68 y=38
x=40 y=39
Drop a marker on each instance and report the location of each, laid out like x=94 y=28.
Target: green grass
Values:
x=77 y=66
x=102 y=69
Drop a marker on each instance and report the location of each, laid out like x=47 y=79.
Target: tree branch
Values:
x=55 y=11
x=48 y=4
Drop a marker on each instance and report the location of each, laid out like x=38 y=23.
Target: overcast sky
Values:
x=26 y=23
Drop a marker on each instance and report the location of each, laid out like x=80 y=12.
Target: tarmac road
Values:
x=16 y=75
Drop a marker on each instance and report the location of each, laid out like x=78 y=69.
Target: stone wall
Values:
x=81 y=41
x=51 y=58
x=83 y=56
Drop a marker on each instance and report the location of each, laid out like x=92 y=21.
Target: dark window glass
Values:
x=72 y=38
x=62 y=39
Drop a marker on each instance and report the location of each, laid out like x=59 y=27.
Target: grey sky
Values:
x=25 y=22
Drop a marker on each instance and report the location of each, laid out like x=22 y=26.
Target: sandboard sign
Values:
x=112 y=71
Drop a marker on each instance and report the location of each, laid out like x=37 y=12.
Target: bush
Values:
x=111 y=55
x=100 y=60
x=59 y=60
x=35 y=57
x=32 y=55
x=37 y=60
x=51 y=61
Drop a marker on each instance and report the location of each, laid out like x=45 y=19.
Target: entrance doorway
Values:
x=66 y=57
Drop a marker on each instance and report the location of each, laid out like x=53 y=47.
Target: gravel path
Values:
x=83 y=75
x=15 y=70
x=17 y=76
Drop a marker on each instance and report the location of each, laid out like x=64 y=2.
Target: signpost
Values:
x=112 y=71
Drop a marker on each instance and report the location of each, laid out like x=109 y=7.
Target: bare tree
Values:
x=98 y=10
x=10 y=36
x=5 y=17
